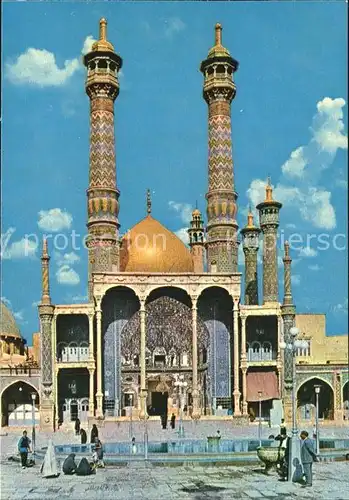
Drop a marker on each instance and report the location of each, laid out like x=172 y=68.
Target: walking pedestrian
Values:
x=83 y=436
x=94 y=433
x=173 y=421
x=24 y=448
x=77 y=426
x=283 y=427
x=308 y=456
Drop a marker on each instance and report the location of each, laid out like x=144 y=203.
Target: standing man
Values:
x=308 y=456
x=24 y=448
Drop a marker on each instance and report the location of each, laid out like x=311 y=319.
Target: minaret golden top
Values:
x=102 y=45
x=44 y=249
x=218 y=50
x=268 y=191
x=287 y=250
x=148 y=202
x=250 y=219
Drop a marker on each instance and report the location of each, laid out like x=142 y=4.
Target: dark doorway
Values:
x=73 y=411
x=159 y=402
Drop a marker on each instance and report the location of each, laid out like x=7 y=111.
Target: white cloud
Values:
x=67 y=276
x=314 y=267
x=36 y=303
x=173 y=26
x=66 y=259
x=326 y=138
x=307 y=252
x=328 y=127
x=183 y=235
x=18 y=316
x=54 y=220
x=183 y=209
x=87 y=47
x=7 y=302
x=20 y=249
x=341 y=308
x=295 y=279
x=305 y=165
x=39 y=67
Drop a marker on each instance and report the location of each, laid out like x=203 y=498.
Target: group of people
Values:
x=308 y=455
x=164 y=421
x=69 y=466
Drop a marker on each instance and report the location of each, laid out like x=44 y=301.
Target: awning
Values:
x=264 y=382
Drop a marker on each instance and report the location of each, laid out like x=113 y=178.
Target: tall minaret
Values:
x=269 y=221
x=219 y=91
x=46 y=310
x=250 y=242
x=102 y=87
x=196 y=240
x=288 y=312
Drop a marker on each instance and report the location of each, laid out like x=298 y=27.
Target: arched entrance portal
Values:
x=307 y=401
x=17 y=405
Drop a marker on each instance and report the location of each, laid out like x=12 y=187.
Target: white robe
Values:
x=49 y=466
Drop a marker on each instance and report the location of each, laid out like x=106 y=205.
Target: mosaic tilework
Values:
x=251 y=277
x=102 y=153
x=270 y=267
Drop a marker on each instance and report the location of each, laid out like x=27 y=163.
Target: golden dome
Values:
x=8 y=325
x=196 y=212
x=102 y=45
x=150 y=247
x=218 y=50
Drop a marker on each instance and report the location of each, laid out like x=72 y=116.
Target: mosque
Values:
x=168 y=327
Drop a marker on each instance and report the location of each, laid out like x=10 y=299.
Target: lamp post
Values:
x=317 y=392
x=260 y=417
x=33 y=396
x=294 y=458
x=181 y=385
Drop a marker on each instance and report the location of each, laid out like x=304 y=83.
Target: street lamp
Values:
x=33 y=396
x=294 y=457
x=317 y=392
x=181 y=385
x=260 y=418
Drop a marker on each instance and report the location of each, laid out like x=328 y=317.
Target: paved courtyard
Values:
x=331 y=482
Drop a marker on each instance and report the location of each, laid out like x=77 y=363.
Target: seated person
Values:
x=84 y=468
x=69 y=465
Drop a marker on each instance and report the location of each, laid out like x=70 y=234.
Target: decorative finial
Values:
x=269 y=191
x=148 y=202
x=103 y=29
x=287 y=249
x=218 y=34
x=249 y=217
x=44 y=248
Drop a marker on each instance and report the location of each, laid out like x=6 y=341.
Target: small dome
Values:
x=102 y=45
x=150 y=247
x=8 y=325
x=196 y=213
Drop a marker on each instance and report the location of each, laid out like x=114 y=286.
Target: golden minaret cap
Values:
x=250 y=218
x=287 y=249
x=268 y=191
x=44 y=249
x=148 y=202
x=102 y=45
x=218 y=50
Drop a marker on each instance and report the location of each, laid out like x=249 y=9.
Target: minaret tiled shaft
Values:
x=288 y=312
x=250 y=242
x=102 y=87
x=269 y=221
x=219 y=91
x=46 y=310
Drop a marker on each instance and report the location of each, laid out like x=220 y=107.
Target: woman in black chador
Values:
x=94 y=433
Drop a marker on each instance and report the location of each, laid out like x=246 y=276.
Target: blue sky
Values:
x=288 y=120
